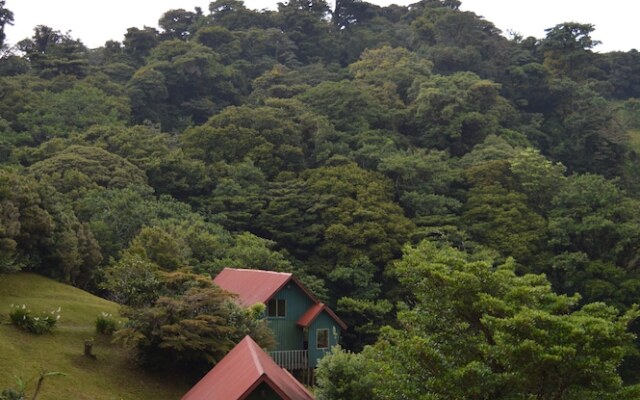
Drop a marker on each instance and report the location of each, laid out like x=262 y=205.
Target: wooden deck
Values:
x=291 y=359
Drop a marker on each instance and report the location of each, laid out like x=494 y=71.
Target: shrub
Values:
x=192 y=331
x=106 y=324
x=23 y=318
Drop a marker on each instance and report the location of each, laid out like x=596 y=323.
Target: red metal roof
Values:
x=242 y=370
x=256 y=286
x=252 y=286
x=312 y=313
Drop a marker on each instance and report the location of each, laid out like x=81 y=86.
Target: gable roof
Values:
x=257 y=286
x=312 y=313
x=252 y=286
x=242 y=370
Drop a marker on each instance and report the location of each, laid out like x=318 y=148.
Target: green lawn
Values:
x=112 y=375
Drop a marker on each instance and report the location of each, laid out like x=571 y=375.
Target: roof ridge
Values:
x=256 y=359
x=259 y=270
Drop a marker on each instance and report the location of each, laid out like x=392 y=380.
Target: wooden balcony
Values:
x=291 y=359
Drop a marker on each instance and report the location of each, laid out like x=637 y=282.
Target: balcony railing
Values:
x=291 y=359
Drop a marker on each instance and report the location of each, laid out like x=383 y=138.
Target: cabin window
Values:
x=322 y=339
x=277 y=308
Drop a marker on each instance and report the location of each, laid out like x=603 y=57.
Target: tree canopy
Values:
x=468 y=202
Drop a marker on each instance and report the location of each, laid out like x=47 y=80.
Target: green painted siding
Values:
x=263 y=392
x=324 y=321
x=289 y=335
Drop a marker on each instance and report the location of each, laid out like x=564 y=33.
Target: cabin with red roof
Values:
x=247 y=372
x=305 y=329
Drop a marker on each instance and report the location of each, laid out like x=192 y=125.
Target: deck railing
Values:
x=291 y=359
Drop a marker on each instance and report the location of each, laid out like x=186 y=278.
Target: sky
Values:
x=95 y=22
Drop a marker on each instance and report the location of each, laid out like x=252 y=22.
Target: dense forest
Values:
x=467 y=202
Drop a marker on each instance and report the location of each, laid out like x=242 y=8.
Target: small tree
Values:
x=343 y=375
x=191 y=331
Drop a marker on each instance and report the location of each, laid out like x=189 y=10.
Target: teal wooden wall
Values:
x=263 y=392
x=324 y=321
x=287 y=334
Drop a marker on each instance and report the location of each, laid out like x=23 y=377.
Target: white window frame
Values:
x=278 y=308
x=318 y=337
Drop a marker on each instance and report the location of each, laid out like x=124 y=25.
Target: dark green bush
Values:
x=106 y=324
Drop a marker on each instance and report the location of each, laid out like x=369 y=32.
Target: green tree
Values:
x=52 y=53
x=343 y=375
x=337 y=214
x=501 y=220
x=424 y=181
x=168 y=250
x=595 y=236
x=59 y=114
x=306 y=23
x=168 y=169
x=77 y=169
x=133 y=281
x=6 y=18
x=365 y=319
x=187 y=84
x=196 y=330
x=180 y=24
x=582 y=133
x=147 y=92
x=348 y=13
x=221 y=40
x=354 y=106
x=396 y=65
x=537 y=177
x=234 y=15
x=274 y=136
x=477 y=330
x=25 y=224
x=567 y=49
x=622 y=73
x=458 y=112
x=592 y=215
x=457 y=40
x=40 y=231
x=138 y=43
x=115 y=216
x=237 y=196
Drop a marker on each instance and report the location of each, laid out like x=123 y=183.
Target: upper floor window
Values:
x=322 y=339
x=276 y=308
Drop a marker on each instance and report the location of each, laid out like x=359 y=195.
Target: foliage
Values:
x=459 y=111
x=567 y=48
x=6 y=18
x=133 y=281
x=501 y=334
x=343 y=375
x=320 y=142
x=365 y=318
x=23 y=318
x=195 y=331
x=501 y=220
x=19 y=392
x=106 y=324
x=52 y=53
x=58 y=114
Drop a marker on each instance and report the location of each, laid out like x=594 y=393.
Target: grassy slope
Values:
x=111 y=376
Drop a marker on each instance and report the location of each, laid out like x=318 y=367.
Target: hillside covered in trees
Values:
x=468 y=203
